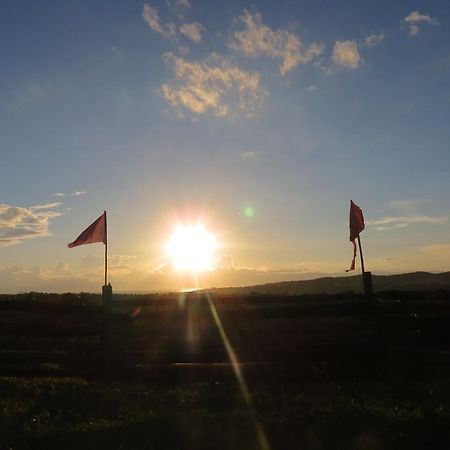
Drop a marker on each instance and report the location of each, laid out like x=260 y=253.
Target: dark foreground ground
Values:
x=311 y=372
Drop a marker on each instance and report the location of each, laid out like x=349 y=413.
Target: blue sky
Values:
x=169 y=111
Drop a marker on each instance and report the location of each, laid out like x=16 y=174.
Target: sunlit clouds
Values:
x=346 y=54
x=257 y=39
x=193 y=31
x=151 y=18
x=18 y=223
x=213 y=85
x=170 y=30
x=414 y=18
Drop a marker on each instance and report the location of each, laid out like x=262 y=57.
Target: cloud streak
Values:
x=45 y=206
x=406 y=205
x=72 y=194
x=213 y=84
x=393 y=222
x=257 y=39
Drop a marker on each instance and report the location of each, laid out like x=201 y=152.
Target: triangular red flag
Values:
x=356 y=226
x=96 y=232
x=356 y=220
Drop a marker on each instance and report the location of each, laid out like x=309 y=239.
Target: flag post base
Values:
x=107 y=294
x=367 y=283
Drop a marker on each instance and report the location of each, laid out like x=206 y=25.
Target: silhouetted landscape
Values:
x=416 y=281
x=154 y=371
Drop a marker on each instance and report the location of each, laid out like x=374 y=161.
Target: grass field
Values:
x=317 y=372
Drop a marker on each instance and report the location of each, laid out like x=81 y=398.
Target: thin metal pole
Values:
x=361 y=255
x=106 y=263
x=106 y=251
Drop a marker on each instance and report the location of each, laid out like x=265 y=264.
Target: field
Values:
x=200 y=372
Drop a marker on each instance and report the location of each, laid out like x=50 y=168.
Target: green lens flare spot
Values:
x=249 y=212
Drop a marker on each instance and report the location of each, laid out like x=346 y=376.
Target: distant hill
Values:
x=415 y=281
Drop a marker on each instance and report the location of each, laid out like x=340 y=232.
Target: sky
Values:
x=259 y=120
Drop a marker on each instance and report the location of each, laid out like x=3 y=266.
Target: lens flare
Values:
x=249 y=212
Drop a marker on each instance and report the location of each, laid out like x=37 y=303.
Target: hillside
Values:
x=416 y=281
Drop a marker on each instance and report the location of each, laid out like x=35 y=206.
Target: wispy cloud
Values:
x=182 y=4
x=393 y=222
x=373 y=40
x=30 y=95
x=151 y=18
x=72 y=194
x=45 y=206
x=257 y=39
x=19 y=223
x=406 y=205
x=414 y=18
x=193 y=31
x=346 y=54
x=213 y=84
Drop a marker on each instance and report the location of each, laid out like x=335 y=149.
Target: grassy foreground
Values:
x=73 y=413
x=324 y=372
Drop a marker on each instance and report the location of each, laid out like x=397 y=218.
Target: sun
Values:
x=192 y=247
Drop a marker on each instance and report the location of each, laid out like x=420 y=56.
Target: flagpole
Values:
x=106 y=252
x=361 y=255
x=106 y=264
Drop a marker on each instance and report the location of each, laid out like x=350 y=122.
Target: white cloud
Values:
x=346 y=54
x=72 y=194
x=193 y=31
x=258 y=39
x=392 y=222
x=213 y=84
x=414 y=18
x=248 y=155
x=19 y=223
x=413 y=30
x=151 y=18
x=373 y=40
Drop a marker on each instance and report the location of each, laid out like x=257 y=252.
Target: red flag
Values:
x=356 y=226
x=96 y=232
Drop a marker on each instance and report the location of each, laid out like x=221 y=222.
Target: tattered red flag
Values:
x=96 y=232
x=356 y=226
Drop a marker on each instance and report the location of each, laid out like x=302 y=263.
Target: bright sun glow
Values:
x=192 y=247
